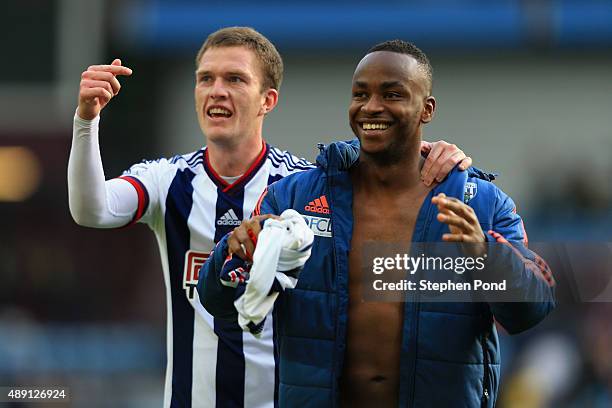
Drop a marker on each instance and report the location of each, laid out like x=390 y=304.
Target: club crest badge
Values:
x=471 y=189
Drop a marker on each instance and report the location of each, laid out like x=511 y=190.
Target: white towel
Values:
x=283 y=247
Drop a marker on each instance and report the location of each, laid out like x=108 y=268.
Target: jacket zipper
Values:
x=335 y=373
x=416 y=308
x=485 y=377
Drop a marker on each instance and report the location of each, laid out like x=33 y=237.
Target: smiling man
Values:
x=334 y=348
x=191 y=201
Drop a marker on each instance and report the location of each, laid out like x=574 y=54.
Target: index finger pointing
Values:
x=113 y=69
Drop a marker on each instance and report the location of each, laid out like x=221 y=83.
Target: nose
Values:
x=218 y=90
x=372 y=106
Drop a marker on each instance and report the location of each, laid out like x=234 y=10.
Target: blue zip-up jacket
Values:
x=450 y=351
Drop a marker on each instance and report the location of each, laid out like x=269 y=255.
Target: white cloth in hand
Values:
x=283 y=247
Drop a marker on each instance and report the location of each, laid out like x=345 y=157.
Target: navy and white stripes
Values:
x=210 y=362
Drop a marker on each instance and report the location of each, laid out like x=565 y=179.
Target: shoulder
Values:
x=490 y=203
x=301 y=179
x=296 y=186
x=287 y=163
x=192 y=160
x=168 y=164
x=489 y=192
x=478 y=190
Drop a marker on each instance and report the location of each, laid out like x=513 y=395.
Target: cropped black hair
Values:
x=405 y=47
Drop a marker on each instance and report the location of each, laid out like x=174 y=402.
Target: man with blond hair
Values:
x=190 y=201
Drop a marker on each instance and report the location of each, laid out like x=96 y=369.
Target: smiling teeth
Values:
x=374 y=126
x=219 y=111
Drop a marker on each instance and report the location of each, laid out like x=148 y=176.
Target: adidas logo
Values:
x=319 y=206
x=229 y=218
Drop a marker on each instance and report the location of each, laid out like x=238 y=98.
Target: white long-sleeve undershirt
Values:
x=93 y=200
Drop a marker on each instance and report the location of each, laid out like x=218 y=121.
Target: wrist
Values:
x=85 y=116
x=84 y=119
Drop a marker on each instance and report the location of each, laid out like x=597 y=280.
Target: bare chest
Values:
x=385 y=219
x=373 y=378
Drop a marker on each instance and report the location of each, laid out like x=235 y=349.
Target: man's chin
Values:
x=218 y=135
x=217 y=130
x=381 y=153
x=373 y=147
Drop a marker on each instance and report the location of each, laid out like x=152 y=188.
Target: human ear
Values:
x=428 y=109
x=270 y=100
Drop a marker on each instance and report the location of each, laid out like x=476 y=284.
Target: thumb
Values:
x=426 y=146
x=116 y=61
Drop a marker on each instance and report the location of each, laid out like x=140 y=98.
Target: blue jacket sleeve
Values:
x=529 y=276
x=217 y=298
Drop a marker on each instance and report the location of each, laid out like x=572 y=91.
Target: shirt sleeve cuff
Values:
x=84 y=122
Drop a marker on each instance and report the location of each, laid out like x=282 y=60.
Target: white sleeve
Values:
x=93 y=201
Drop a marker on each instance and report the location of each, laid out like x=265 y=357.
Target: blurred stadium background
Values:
x=524 y=87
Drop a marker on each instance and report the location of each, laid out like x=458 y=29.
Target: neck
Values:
x=234 y=160
x=379 y=175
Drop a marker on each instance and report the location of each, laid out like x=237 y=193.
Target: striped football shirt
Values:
x=189 y=207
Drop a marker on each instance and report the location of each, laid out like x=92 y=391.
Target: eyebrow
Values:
x=384 y=85
x=239 y=73
x=391 y=84
x=234 y=72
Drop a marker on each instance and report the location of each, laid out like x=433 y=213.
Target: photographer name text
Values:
x=448 y=286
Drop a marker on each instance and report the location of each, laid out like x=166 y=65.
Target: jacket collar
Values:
x=338 y=156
